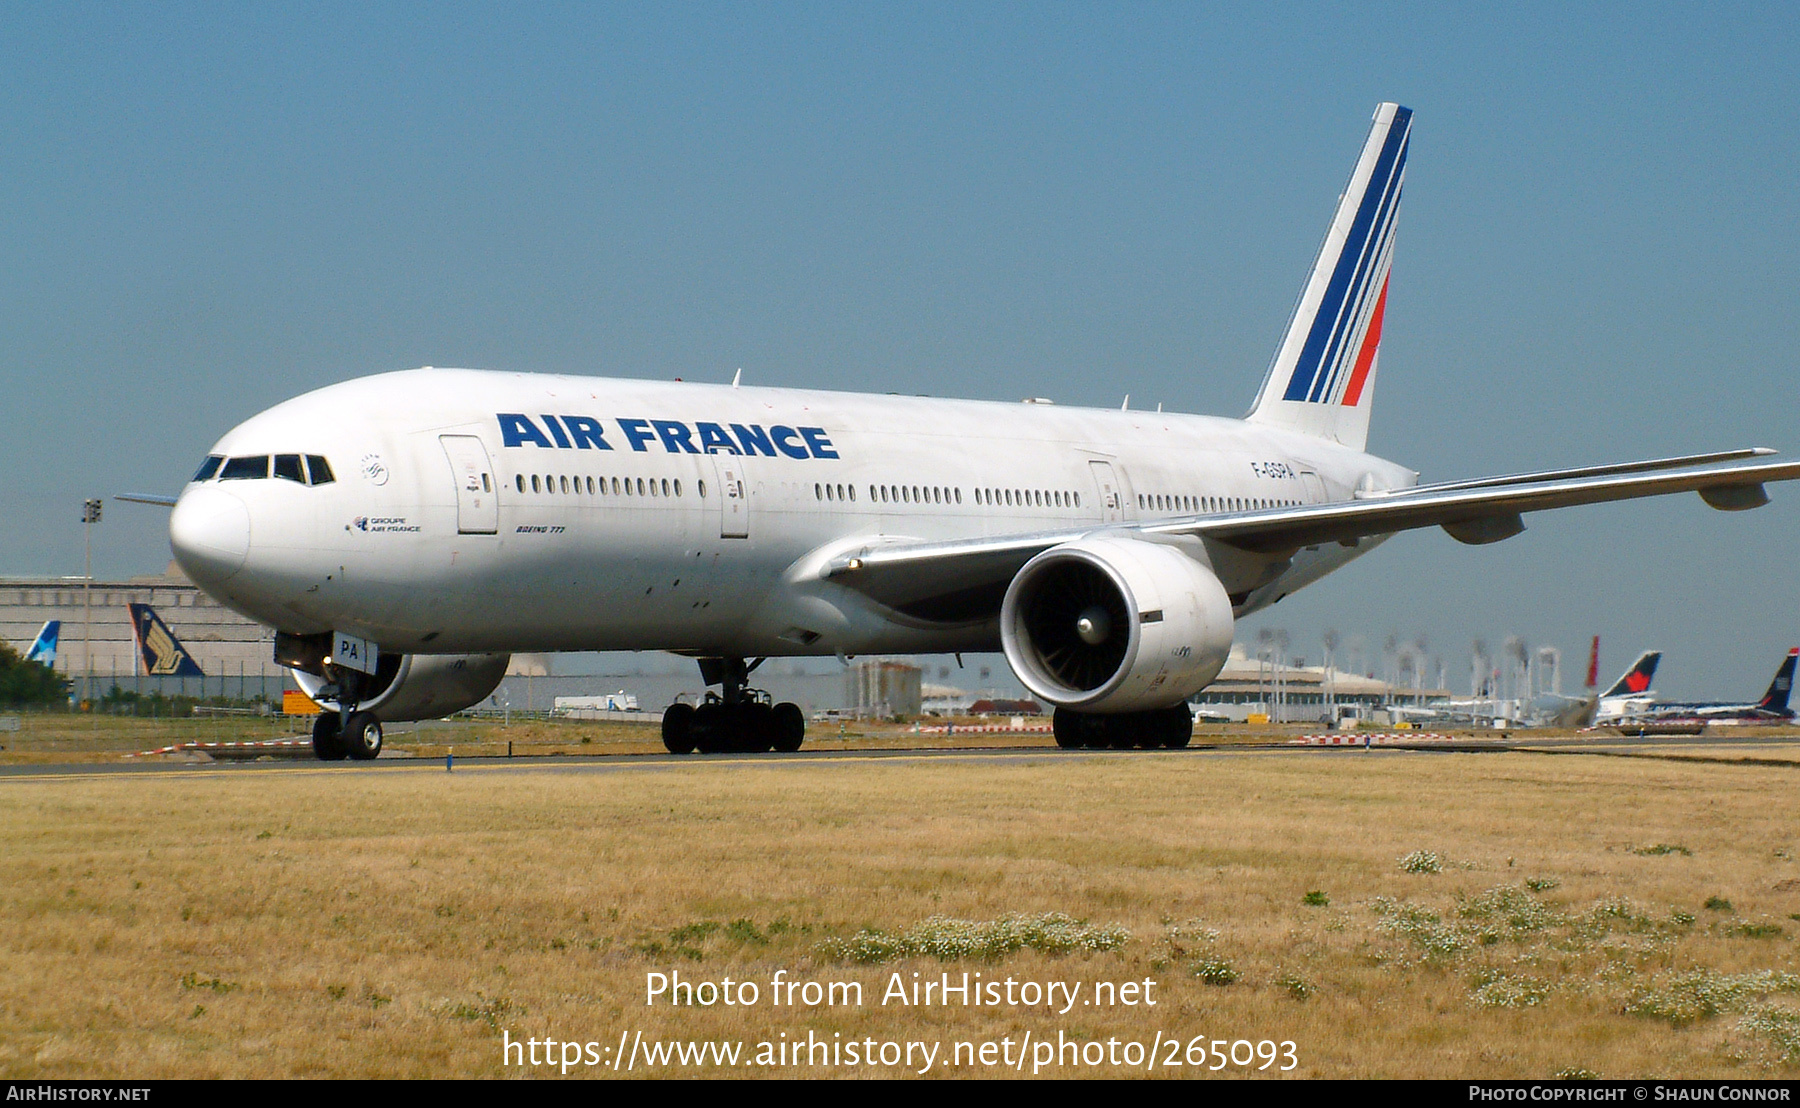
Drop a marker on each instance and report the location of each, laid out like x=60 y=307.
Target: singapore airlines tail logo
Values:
x=161 y=652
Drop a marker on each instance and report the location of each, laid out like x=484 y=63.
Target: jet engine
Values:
x=1107 y=625
x=418 y=686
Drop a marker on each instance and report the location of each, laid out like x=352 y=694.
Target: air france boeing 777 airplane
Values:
x=405 y=532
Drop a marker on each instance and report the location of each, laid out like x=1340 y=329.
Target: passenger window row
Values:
x=941 y=494
x=1028 y=498
x=1162 y=502
x=602 y=486
x=310 y=469
x=914 y=494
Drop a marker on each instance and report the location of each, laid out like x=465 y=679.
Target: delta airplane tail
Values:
x=1322 y=381
x=162 y=654
x=1776 y=699
x=1636 y=680
x=43 y=648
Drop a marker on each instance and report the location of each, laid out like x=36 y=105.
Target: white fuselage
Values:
x=736 y=495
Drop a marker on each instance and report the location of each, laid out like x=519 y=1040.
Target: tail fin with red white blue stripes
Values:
x=1322 y=380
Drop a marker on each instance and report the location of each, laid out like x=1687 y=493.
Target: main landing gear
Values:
x=335 y=738
x=738 y=719
x=1170 y=728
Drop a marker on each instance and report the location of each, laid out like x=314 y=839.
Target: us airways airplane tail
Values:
x=160 y=652
x=1772 y=708
x=404 y=533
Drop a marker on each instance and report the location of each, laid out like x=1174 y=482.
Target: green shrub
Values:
x=1213 y=970
x=1421 y=861
x=949 y=939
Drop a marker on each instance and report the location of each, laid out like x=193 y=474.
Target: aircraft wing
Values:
x=1479 y=514
x=935 y=580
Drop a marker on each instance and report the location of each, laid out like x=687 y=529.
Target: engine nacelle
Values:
x=1111 y=624
x=419 y=686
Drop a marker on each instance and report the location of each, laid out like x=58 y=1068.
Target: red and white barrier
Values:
x=292 y=748
x=1356 y=738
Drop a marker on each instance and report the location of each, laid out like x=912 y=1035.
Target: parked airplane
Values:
x=1631 y=695
x=406 y=532
x=1772 y=708
x=43 y=648
x=160 y=652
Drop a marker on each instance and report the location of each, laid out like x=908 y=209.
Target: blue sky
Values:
x=207 y=209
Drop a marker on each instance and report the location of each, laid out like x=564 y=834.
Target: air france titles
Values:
x=573 y=432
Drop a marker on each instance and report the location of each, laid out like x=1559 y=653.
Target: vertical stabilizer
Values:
x=1322 y=380
x=43 y=648
x=1636 y=680
x=161 y=652
x=1776 y=699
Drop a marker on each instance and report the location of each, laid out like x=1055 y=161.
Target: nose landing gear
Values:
x=738 y=719
x=346 y=733
x=335 y=738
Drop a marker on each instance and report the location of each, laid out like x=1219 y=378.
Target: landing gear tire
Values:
x=1081 y=730
x=362 y=736
x=678 y=728
x=788 y=727
x=1169 y=728
x=709 y=730
x=327 y=740
x=756 y=728
x=1177 y=727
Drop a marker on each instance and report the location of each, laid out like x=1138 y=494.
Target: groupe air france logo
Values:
x=383 y=523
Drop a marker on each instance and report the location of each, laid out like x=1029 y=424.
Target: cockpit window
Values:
x=320 y=469
x=287 y=466
x=240 y=469
x=209 y=467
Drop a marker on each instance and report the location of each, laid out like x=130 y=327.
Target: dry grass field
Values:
x=1555 y=914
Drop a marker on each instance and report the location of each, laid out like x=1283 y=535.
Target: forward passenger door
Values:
x=477 y=492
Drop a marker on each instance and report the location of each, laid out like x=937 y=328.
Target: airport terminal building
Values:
x=236 y=654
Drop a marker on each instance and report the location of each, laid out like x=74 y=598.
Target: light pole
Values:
x=90 y=515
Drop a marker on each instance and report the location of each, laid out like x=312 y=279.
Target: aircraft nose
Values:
x=209 y=531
